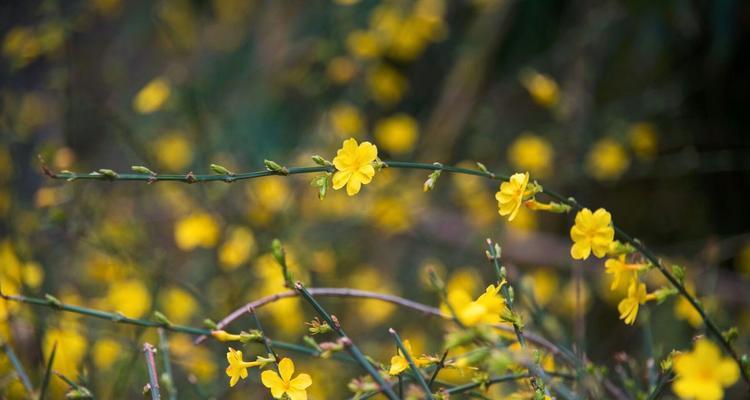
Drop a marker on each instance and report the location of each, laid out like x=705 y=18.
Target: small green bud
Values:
x=275 y=167
x=321 y=182
x=311 y=342
x=221 y=170
x=731 y=334
x=108 y=173
x=254 y=335
x=678 y=272
x=162 y=319
x=53 y=301
x=278 y=251
x=321 y=161
x=429 y=184
x=208 y=323
x=482 y=168
x=142 y=170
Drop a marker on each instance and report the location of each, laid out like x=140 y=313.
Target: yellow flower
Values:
x=386 y=85
x=152 y=96
x=237 y=367
x=363 y=44
x=397 y=134
x=607 y=160
x=510 y=196
x=282 y=383
x=484 y=310
x=130 y=297
x=178 y=304
x=173 y=151
x=399 y=363
x=622 y=271
x=198 y=229
x=354 y=165
x=628 y=307
x=71 y=348
x=591 y=232
x=703 y=373
x=237 y=249
x=346 y=120
x=532 y=153
x=341 y=70
x=542 y=88
x=106 y=352
x=643 y=140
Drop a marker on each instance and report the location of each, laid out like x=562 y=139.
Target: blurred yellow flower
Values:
x=397 y=134
x=371 y=278
x=607 y=160
x=637 y=295
x=392 y=214
x=106 y=7
x=702 y=374
x=199 y=229
x=105 y=352
x=282 y=383
x=237 y=367
x=592 y=232
x=544 y=284
x=21 y=45
x=178 y=304
x=341 y=70
x=643 y=140
x=355 y=165
x=685 y=311
x=237 y=249
x=173 y=151
x=622 y=271
x=542 y=88
x=386 y=85
x=152 y=97
x=71 y=348
x=510 y=195
x=363 y=44
x=346 y=120
x=33 y=275
x=486 y=309
x=129 y=297
x=533 y=153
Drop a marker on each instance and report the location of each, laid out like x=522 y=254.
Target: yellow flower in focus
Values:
x=363 y=44
x=510 y=195
x=105 y=352
x=607 y=160
x=622 y=271
x=386 y=85
x=542 y=88
x=152 y=97
x=486 y=309
x=592 y=232
x=237 y=249
x=397 y=134
x=282 y=382
x=237 y=367
x=399 y=363
x=196 y=230
x=71 y=348
x=354 y=165
x=173 y=151
x=533 y=153
x=346 y=120
x=177 y=304
x=643 y=140
x=628 y=307
x=703 y=373
x=129 y=297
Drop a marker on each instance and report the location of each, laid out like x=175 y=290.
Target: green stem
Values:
x=351 y=347
x=18 y=367
x=168 y=375
x=412 y=364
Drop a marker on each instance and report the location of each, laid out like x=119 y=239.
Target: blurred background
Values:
x=640 y=107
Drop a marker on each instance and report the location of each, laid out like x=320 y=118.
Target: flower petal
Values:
x=286 y=369
x=353 y=186
x=301 y=382
x=271 y=380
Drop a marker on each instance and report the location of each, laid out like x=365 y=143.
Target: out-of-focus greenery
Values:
x=636 y=106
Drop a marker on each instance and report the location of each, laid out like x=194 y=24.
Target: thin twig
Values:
x=153 y=376
x=350 y=346
x=440 y=365
x=167 y=376
x=412 y=364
